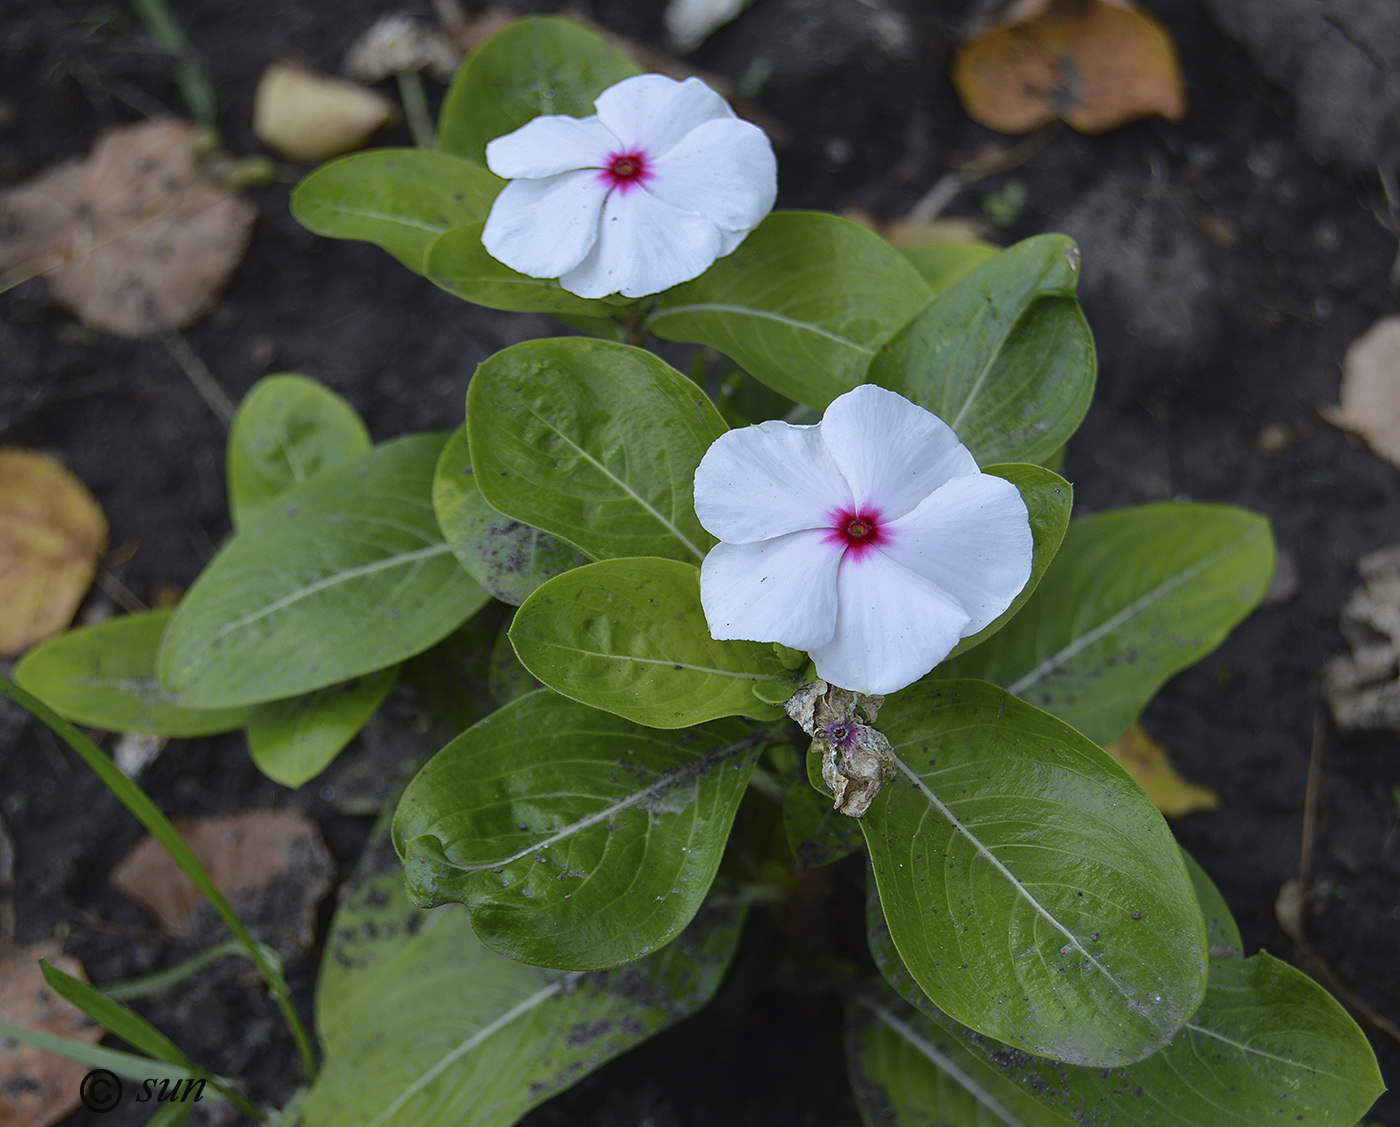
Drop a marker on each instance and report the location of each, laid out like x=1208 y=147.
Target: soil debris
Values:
x=1363 y=687
x=1370 y=395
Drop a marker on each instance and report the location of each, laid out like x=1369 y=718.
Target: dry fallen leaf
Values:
x=135 y=239
x=1363 y=687
x=52 y=533
x=1371 y=389
x=306 y=116
x=1146 y=761
x=268 y=864
x=39 y=1088
x=1094 y=64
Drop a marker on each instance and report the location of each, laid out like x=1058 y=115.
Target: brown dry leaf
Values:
x=1146 y=761
x=306 y=116
x=260 y=860
x=1094 y=64
x=135 y=239
x=38 y=1088
x=52 y=533
x=1371 y=389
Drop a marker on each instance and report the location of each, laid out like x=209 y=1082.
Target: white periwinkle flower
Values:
x=644 y=195
x=871 y=540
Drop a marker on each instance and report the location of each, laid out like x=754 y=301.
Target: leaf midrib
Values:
x=764 y=314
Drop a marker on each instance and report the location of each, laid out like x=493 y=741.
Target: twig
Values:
x=1310 y=811
x=120 y=593
x=210 y=390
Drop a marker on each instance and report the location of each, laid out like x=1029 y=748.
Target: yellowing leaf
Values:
x=52 y=533
x=302 y=115
x=1146 y=761
x=1371 y=389
x=1094 y=64
x=136 y=239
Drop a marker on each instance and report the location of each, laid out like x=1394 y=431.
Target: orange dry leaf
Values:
x=52 y=533
x=38 y=1088
x=1371 y=389
x=135 y=239
x=244 y=854
x=1094 y=64
x=1146 y=761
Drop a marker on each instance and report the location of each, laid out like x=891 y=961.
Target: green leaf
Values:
x=349 y=574
x=595 y=443
x=129 y=1066
x=942 y=264
x=629 y=636
x=1003 y=356
x=1133 y=597
x=529 y=68
x=294 y=740
x=506 y=676
x=577 y=839
x=1030 y=885
x=804 y=304
x=510 y=559
x=1222 y=933
x=1048 y=498
x=105 y=676
x=287 y=429
x=474 y=1037
x=1267 y=1045
x=398 y=199
x=458 y=263
x=817 y=834
x=114 y=1017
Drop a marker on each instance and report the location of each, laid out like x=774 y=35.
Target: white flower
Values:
x=871 y=540
x=642 y=196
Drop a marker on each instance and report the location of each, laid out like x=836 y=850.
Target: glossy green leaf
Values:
x=398 y=199
x=942 y=264
x=1267 y=1046
x=577 y=839
x=629 y=636
x=1030 y=885
x=287 y=429
x=804 y=304
x=348 y=575
x=510 y=559
x=457 y=262
x=1222 y=933
x=529 y=68
x=817 y=834
x=294 y=740
x=1048 y=498
x=423 y=1026
x=1133 y=597
x=506 y=676
x=595 y=443
x=105 y=676
x=1003 y=356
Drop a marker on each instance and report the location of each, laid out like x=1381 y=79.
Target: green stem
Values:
x=194 y=87
x=415 y=109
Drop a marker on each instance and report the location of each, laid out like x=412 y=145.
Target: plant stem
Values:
x=194 y=87
x=415 y=108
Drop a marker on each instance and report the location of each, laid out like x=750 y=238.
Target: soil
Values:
x=1226 y=271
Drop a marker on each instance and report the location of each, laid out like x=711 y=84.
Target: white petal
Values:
x=779 y=590
x=644 y=246
x=763 y=481
x=971 y=538
x=653 y=112
x=546 y=227
x=550 y=145
x=724 y=170
x=893 y=452
x=892 y=627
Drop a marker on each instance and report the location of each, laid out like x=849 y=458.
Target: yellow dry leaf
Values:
x=136 y=239
x=306 y=116
x=52 y=533
x=1094 y=64
x=1371 y=389
x=1146 y=761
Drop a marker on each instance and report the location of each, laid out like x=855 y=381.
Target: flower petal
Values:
x=545 y=227
x=549 y=145
x=653 y=112
x=972 y=539
x=767 y=480
x=892 y=627
x=644 y=246
x=724 y=170
x=779 y=590
x=893 y=452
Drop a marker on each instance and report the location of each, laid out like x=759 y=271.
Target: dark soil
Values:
x=1226 y=271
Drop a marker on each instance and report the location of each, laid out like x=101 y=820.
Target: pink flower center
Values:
x=857 y=531
x=625 y=170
